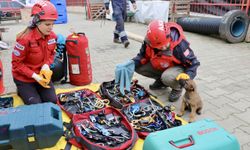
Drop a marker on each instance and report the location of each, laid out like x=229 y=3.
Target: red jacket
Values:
x=30 y=53
x=161 y=60
x=179 y=53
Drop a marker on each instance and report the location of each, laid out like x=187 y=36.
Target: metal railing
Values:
x=215 y=7
x=219 y=7
x=81 y=2
x=76 y=2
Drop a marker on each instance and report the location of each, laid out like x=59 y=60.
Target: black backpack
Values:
x=59 y=66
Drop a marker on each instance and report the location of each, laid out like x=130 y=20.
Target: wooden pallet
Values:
x=179 y=8
x=97 y=11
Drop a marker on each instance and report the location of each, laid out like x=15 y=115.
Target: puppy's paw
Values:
x=180 y=114
x=198 y=111
x=191 y=120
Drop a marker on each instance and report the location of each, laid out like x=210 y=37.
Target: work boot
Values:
x=115 y=40
x=157 y=85
x=175 y=95
x=126 y=43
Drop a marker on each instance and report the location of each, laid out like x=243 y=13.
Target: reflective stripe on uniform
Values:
x=122 y=34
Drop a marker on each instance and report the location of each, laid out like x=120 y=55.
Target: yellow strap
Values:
x=31 y=139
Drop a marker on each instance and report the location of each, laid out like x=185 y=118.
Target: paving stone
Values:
x=220 y=101
x=244 y=83
x=209 y=78
x=245 y=129
x=245 y=147
x=202 y=87
x=242 y=136
x=226 y=110
x=241 y=104
x=232 y=88
x=204 y=95
x=207 y=105
x=226 y=81
x=244 y=115
x=231 y=123
x=245 y=91
x=209 y=114
x=213 y=85
x=216 y=92
x=236 y=96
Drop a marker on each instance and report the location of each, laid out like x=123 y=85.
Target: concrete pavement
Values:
x=223 y=78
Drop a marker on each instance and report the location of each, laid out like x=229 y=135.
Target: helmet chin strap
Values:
x=35 y=21
x=40 y=32
x=168 y=45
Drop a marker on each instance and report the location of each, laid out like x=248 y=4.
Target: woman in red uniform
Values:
x=32 y=55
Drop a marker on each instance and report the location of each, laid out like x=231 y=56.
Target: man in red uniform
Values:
x=166 y=57
x=32 y=55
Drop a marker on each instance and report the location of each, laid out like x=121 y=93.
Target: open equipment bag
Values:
x=110 y=90
x=104 y=129
x=149 y=115
x=80 y=101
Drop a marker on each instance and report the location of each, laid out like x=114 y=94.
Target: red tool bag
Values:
x=80 y=70
x=80 y=101
x=1 y=78
x=104 y=129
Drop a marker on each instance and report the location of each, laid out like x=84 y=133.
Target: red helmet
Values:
x=45 y=10
x=158 y=34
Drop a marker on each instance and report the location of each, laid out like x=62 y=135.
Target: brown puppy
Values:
x=190 y=101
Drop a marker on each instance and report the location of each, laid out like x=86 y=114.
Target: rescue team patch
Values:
x=16 y=52
x=186 y=53
x=51 y=41
x=164 y=65
x=19 y=46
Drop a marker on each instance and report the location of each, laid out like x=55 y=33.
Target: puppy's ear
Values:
x=190 y=86
x=193 y=85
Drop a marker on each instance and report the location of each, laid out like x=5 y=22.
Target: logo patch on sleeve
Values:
x=51 y=41
x=186 y=53
x=19 y=46
x=16 y=52
x=164 y=65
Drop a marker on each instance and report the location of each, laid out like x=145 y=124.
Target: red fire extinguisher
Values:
x=1 y=78
x=80 y=70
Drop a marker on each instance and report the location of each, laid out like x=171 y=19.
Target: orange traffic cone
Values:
x=1 y=78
